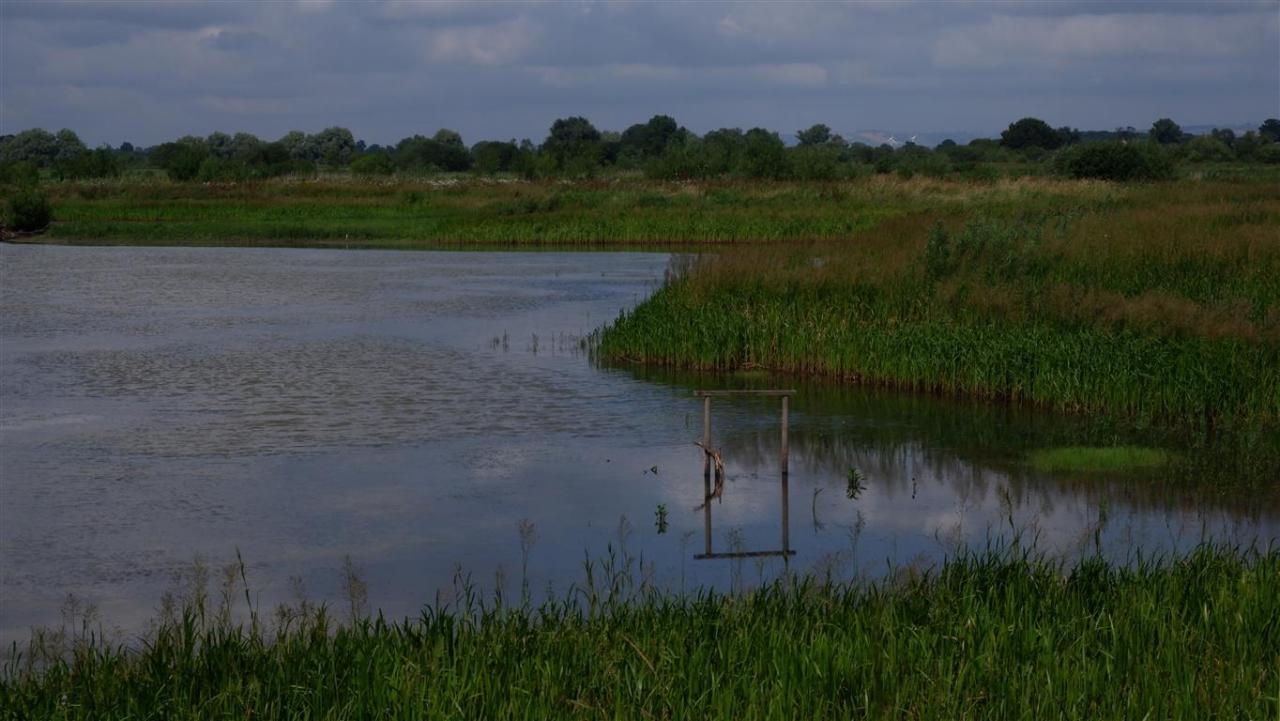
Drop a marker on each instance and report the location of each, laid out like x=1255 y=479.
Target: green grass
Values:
x=1161 y=304
x=414 y=212
x=1078 y=459
x=987 y=635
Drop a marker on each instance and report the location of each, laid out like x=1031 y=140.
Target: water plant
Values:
x=1087 y=459
x=660 y=522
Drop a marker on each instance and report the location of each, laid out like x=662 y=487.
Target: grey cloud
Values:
x=150 y=71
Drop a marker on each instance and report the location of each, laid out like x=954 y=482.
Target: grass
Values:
x=1079 y=459
x=997 y=634
x=1157 y=303
x=462 y=211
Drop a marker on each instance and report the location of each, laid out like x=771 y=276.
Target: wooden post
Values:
x=786 y=517
x=783 y=454
x=706 y=473
x=706 y=438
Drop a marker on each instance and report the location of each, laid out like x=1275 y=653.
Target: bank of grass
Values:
x=987 y=635
x=1083 y=459
x=465 y=211
x=1160 y=303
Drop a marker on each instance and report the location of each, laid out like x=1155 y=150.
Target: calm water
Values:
x=409 y=409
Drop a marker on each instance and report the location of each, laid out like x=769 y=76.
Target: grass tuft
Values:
x=1078 y=459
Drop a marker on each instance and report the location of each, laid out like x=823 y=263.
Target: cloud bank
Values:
x=151 y=71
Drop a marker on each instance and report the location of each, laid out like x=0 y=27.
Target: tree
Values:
x=449 y=138
x=763 y=155
x=1270 y=129
x=294 y=143
x=1067 y=136
x=219 y=144
x=1226 y=136
x=68 y=145
x=244 y=147
x=373 y=164
x=36 y=145
x=1030 y=133
x=491 y=156
x=180 y=159
x=1207 y=148
x=1166 y=132
x=1247 y=146
x=445 y=153
x=334 y=146
x=650 y=139
x=573 y=141
x=818 y=134
x=1115 y=161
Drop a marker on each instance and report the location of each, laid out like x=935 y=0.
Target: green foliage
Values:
x=1270 y=129
x=99 y=163
x=41 y=147
x=181 y=160
x=1098 y=460
x=1166 y=312
x=1114 y=161
x=818 y=134
x=20 y=173
x=1166 y=132
x=1208 y=149
x=650 y=139
x=28 y=210
x=495 y=157
x=575 y=145
x=937 y=252
x=419 y=154
x=995 y=634
x=1030 y=133
x=373 y=164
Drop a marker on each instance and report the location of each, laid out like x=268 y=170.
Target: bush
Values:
x=1208 y=149
x=1269 y=153
x=22 y=173
x=1114 y=161
x=373 y=164
x=29 y=210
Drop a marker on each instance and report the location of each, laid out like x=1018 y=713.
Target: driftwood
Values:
x=15 y=236
x=717 y=461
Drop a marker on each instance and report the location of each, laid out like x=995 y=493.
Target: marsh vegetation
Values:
x=1001 y=633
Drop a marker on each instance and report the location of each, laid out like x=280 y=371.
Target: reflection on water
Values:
x=412 y=409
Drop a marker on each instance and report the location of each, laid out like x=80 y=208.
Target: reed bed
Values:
x=995 y=634
x=1163 y=305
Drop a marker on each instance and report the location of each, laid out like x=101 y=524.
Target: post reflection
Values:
x=713 y=461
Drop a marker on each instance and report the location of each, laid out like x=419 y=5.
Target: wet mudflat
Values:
x=411 y=409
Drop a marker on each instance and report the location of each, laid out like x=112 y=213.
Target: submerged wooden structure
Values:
x=714 y=460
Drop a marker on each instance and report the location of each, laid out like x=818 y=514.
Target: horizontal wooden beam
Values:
x=744 y=554
x=768 y=393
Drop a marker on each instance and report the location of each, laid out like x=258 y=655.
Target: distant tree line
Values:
x=659 y=148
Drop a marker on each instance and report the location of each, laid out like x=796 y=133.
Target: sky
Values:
x=147 y=72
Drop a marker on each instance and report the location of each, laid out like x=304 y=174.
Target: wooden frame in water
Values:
x=710 y=455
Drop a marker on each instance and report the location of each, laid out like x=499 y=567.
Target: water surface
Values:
x=410 y=409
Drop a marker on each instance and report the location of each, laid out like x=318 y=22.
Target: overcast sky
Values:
x=152 y=71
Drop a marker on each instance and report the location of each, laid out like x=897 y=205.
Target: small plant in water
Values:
x=660 y=518
x=855 y=483
x=528 y=537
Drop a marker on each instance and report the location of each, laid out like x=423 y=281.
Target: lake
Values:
x=410 y=409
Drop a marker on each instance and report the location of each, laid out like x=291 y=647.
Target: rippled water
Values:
x=409 y=409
